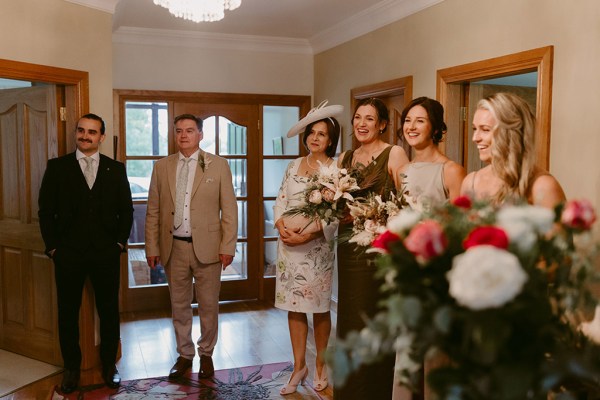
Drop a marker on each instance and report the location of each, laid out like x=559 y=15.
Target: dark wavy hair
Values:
x=382 y=111
x=435 y=113
x=333 y=132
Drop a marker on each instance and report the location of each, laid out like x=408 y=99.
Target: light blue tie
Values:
x=182 y=181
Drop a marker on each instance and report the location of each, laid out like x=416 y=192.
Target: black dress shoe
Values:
x=180 y=367
x=70 y=380
x=111 y=377
x=207 y=369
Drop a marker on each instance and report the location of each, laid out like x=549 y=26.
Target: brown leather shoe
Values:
x=70 y=381
x=180 y=367
x=207 y=369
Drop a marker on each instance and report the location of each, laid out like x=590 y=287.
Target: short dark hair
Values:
x=96 y=118
x=198 y=120
x=382 y=111
x=435 y=113
x=333 y=132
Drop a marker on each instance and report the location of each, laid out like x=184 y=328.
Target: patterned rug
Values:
x=247 y=383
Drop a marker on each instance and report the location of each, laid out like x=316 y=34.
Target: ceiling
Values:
x=317 y=24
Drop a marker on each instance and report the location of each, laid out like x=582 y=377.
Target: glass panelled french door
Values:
x=227 y=129
x=251 y=137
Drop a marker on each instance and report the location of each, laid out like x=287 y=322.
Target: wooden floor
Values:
x=250 y=333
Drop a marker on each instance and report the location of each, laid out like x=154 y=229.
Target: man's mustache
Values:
x=85 y=140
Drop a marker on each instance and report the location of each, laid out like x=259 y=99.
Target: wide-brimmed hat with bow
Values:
x=318 y=113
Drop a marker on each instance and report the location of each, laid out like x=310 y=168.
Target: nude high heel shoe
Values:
x=294 y=381
x=320 y=382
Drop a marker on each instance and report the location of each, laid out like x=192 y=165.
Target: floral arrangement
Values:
x=498 y=293
x=370 y=215
x=328 y=191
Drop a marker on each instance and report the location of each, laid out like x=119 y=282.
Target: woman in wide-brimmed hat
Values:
x=304 y=254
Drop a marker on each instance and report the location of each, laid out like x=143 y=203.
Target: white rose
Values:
x=485 y=277
x=591 y=329
x=371 y=226
x=524 y=223
x=404 y=221
x=315 y=197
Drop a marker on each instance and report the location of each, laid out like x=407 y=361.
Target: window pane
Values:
x=242 y=219
x=270 y=258
x=139 y=272
x=146 y=129
x=273 y=171
x=232 y=138
x=209 y=135
x=238 y=269
x=139 y=172
x=276 y=122
x=139 y=223
x=239 y=174
x=269 y=219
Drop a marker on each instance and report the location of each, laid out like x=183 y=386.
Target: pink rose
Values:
x=327 y=194
x=490 y=235
x=462 y=202
x=384 y=241
x=426 y=240
x=578 y=215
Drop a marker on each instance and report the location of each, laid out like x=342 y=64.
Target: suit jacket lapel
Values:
x=172 y=174
x=199 y=171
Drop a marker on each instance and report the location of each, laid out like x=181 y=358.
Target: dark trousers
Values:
x=72 y=267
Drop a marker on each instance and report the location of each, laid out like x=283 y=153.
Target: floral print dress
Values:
x=304 y=272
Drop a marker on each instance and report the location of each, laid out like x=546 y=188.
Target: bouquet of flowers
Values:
x=501 y=293
x=370 y=215
x=327 y=192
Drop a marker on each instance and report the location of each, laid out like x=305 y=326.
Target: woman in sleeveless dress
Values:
x=358 y=290
x=430 y=178
x=305 y=256
x=504 y=131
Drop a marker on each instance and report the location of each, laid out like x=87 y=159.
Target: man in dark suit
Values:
x=86 y=213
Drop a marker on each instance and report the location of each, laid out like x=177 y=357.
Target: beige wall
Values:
x=456 y=32
x=65 y=35
x=211 y=70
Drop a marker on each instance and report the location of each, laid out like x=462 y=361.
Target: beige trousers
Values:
x=184 y=274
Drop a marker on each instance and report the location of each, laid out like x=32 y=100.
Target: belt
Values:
x=183 y=238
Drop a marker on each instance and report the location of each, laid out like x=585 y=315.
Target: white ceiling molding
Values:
x=102 y=5
x=163 y=37
x=373 y=18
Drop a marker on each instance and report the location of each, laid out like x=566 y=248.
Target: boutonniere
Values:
x=204 y=163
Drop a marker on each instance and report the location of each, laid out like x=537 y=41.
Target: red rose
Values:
x=462 y=202
x=426 y=240
x=490 y=235
x=384 y=241
x=578 y=215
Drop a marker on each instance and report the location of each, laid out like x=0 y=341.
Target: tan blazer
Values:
x=213 y=209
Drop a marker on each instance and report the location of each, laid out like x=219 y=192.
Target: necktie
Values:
x=89 y=171
x=182 y=181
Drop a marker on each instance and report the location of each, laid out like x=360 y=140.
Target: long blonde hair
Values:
x=513 y=147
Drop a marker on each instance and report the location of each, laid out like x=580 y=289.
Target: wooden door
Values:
x=225 y=124
x=28 y=137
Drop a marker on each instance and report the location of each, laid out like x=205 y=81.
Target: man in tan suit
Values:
x=191 y=228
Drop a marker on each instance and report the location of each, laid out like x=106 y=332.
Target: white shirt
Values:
x=185 y=229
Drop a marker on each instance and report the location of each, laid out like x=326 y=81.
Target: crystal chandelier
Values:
x=199 y=10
